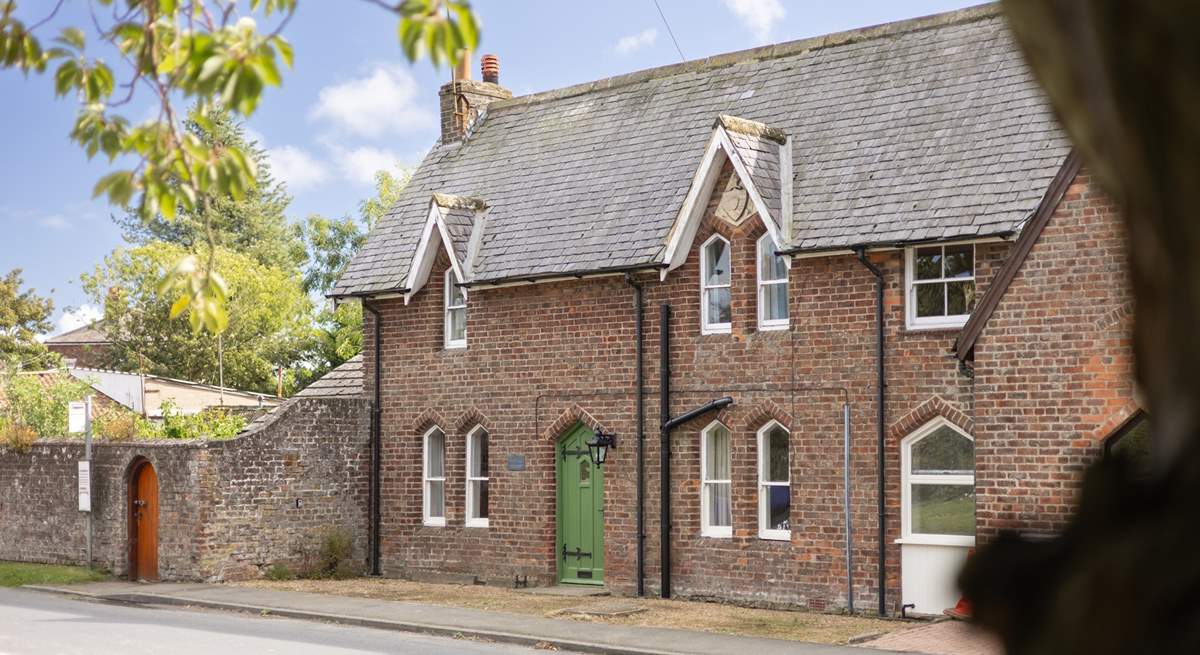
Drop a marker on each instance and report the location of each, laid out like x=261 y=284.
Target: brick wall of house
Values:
x=550 y=354
x=227 y=509
x=1054 y=367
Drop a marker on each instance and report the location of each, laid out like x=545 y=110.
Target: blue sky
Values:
x=353 y=105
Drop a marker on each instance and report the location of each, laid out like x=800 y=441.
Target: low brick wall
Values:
x=227 y=510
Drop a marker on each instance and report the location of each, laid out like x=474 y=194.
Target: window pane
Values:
x=716 y=258
x=585 y=472
x=779 y=509
x=437 y=498
x=717 y=452
x=720 y=513
x=931 y=300
x=718 y=305
x=774 y=300
x=479 y=494
x=1134 y=445
x=776 y=441
x=960 y=297
x=929 y=263
x=944 y=451
x=960 y=261
x=456 y=293
x=479 y=455
x=770 y=266
x=458 y=324
x=943 y=509
x=437 y=454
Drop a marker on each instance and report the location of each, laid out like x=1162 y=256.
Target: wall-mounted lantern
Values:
x=598 y=447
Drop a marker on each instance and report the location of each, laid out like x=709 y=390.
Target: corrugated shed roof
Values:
x=923 y=129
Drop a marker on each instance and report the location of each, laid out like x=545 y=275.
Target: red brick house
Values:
x=743 y=248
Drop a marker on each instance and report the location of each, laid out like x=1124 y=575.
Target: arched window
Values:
x=456 y=313
x=434 y=477
x=1132 y=441
x=716 y=514
x=774 y=483
x=715 y=312
x=938 y=466
x=477 y=478
x=772 y=287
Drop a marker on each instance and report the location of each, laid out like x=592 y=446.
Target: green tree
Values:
x=254 y=225
x=270 y=322
x=212 y=53
x=23 y=316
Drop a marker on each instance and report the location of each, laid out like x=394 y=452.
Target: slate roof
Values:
x=924 y=129
x=92 y=333
x=758 y=147
x=342 y=382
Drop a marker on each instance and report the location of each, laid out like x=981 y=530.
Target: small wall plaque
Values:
x=516 y=462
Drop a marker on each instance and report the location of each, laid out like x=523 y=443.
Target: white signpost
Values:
x=79 y=419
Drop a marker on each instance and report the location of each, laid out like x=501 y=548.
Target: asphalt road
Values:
x=35 y=623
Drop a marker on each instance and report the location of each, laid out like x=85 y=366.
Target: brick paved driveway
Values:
x=941 y=638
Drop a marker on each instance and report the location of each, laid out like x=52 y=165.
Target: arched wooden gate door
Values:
x=143 y=522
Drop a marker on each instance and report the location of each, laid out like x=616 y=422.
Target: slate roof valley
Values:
x=926 y=129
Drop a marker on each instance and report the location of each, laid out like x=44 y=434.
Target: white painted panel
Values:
x=928 y=574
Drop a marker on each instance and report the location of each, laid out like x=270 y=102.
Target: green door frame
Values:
x=579 y=546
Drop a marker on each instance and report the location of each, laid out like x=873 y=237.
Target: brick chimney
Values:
x=464 y=99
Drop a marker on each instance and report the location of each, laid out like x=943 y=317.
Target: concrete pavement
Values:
x=447 y=621
x=33 y=623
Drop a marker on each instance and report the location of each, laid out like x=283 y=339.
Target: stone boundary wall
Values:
x=227 y=509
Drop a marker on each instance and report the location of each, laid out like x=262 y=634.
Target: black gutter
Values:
x=376 y=439
x=664 y=352
x=880 y=441
x=562 y=275
x=641 y=434
x=797 y=250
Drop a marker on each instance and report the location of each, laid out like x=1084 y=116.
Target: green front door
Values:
x=580 y=548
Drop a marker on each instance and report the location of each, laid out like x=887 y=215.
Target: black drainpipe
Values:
x=376 y=450
x=880 y=441
x=641 y=435
x=669 y=424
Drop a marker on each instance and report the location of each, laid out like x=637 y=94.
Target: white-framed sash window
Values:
x=434 y=477
x=715 y=289
x=772 y=287
x=456 y=313
x=940 y=285
x=774 y=482
x=477 y=478
x=716 y=511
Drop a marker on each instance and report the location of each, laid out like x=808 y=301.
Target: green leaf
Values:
x=72 y=36
x=285 y=50
x=180 y=305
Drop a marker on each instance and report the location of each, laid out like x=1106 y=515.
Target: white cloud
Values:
x=385 y=101
x=297 y=168
x=82 y=315
x=759 y=16
x=55 y=222
x=634 y=42
x=360 y=164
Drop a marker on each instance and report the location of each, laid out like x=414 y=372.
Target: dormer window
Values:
x=456 y=313
x=772 y=287
x=715 y=309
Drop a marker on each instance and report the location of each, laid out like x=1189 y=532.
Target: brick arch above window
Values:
x=428 y=419
x=930 y=409
x=763 y=413
x=471 y=418
x=568 y=419
x=1110 y=424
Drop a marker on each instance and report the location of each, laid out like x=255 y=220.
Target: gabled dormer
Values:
x=456 y=223
x=761 y=157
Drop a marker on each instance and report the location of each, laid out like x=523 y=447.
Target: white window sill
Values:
x=724 y=328
x=774 y=326
x=477 y=523
x=775 y=535
x=938 y=540
x=434 y=523
x=456 y=346
x=952 y=323
x=717 y=533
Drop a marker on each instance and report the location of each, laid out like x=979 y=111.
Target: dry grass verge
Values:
x=708 y=617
